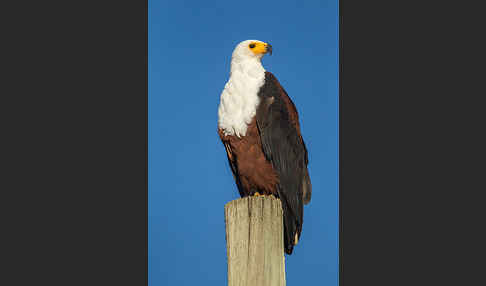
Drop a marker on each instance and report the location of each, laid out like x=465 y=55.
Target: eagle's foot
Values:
x=256 y=194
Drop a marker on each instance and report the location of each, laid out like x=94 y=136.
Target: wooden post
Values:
x=254 y=242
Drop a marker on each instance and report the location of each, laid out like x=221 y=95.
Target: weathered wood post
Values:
x=254 y=242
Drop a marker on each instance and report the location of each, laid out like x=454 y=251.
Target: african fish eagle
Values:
x=259 y=126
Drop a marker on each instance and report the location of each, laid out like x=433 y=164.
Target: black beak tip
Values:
x=269 y=49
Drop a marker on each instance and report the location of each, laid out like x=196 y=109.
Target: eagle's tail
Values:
x=292 y=227
x=306 y=187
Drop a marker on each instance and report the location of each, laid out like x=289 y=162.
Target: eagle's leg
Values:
x=256 y=194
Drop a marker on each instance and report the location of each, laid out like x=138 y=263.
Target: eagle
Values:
x=258 y=125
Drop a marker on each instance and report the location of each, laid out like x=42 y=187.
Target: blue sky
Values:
x=190 y=46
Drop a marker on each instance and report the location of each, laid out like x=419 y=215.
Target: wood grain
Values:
x=254 y=241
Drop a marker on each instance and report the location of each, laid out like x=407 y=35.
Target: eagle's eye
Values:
x=252 y=46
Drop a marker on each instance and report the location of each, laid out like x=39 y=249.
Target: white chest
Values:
x=239 y=99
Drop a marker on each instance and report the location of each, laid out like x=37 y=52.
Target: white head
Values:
x=250 y=50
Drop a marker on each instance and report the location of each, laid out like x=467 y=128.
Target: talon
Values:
x=257 y=194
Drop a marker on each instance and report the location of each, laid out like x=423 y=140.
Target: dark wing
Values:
x=282 y=143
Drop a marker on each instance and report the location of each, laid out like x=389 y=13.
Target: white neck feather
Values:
x=239 y=99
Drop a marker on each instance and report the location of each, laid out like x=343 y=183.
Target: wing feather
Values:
x=283 y=146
